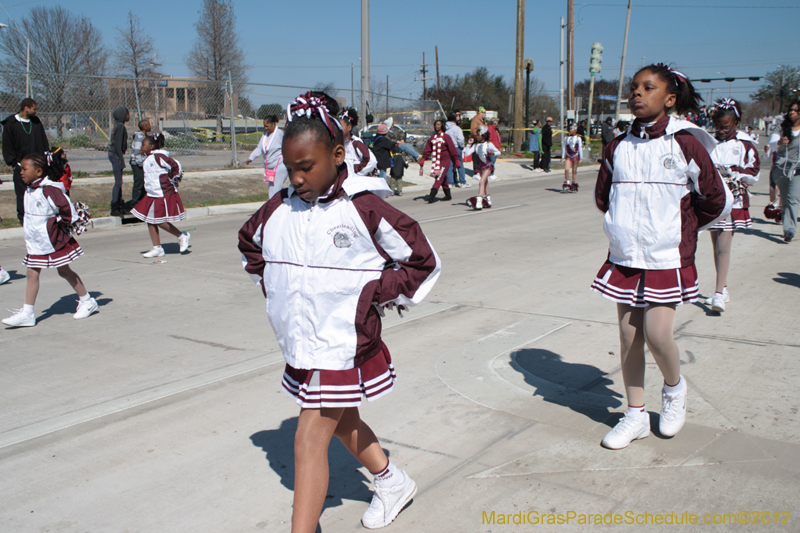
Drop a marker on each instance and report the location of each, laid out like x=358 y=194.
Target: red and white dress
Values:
x=657 y=186
x=326 y=268
x=48 y=216
x=572 y=149
x=737 y=159
x=484 y=151
x=161 y=177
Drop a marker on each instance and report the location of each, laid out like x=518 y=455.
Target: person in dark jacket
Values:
x=547 y=143
x=117 y=146
x=23 y=134
x=382 y=147
x=607 y=134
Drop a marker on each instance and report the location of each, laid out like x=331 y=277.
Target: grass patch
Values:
x=10 y=223
x=228 y=201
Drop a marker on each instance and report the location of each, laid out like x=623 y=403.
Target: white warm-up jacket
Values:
x=657 y=186
x=48 y=214
x=325 y=266
x=739 y=156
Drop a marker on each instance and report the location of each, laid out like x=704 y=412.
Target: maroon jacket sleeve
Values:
x=709 y=202
x=173 y=170
x=58 y=230
x=411 y=262
x=362 y=150
x=602 y=188
x=251 y=234
x=750 y=153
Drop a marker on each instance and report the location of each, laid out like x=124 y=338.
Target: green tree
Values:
x=477 y=88
x=780 y=86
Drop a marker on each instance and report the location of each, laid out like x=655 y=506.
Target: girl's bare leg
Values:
x=483 y=188
x=32 y=285
x=359 y=439
x=567 y=163
x=73 y=279
x=315 y=427
x=632 y=340
x=722 y=256
x=658 y=334
x=574 y=165
x=154 y=236
x=170 y=228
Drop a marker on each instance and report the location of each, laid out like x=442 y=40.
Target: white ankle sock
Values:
x=638 y=412
x=680 y=387
x=389 y=476
x=85 y=298
x=28 y=309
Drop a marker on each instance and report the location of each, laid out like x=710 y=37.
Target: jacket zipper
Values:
x=303 y=291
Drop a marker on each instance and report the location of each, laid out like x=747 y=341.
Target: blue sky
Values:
x=302 y=43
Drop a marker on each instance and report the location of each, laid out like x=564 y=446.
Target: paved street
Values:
x=163 y=412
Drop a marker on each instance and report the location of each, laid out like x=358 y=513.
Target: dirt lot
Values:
x=194 y=192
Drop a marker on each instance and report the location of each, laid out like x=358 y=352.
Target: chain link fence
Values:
x=207 y=124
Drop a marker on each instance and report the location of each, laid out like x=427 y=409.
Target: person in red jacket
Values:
x=440 y=149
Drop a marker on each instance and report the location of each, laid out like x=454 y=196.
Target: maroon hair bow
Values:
x=308 y=104
x=679 y=76
x=728 y=103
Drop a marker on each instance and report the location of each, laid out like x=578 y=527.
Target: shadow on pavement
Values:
x=580 y=387
x=763 y=234
x=15 y=275
x=67 y=305
x=346 y=481
x=788 y=278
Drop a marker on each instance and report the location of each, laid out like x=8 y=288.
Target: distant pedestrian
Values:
x=162 y=206
x=547 y=143
x=442 y=151
x=657 y=187
x=356 y=151
x=23 y=134
x=582 y=131
x=481 y=149
x=785 y=141
x=117 y=146
x=571 y=155
x=60 y=171
x=607 y=132
x=137 y=162
x=456 y=174
x=49 y=216
x=269 y=146
x=396 y=173
x=535 y=144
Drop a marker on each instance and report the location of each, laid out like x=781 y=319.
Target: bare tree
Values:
x=65 y=48
x=133 y=53
x=215 y=53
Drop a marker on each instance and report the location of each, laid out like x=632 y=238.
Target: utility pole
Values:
x=517 y=135
x=424 y=71
x=622 y=63
x=528 y=69
x=571 y=55
x=156 y=64
x=561 y=76
x=364 y=60
x=352 y=88
x=387 y=95
x=235 y=159
x=438 y=84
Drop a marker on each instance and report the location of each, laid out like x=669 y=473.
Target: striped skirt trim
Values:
x=159 y=210
x=640 y=288
x=738 y=219
x=315 y=388
x=69 y=253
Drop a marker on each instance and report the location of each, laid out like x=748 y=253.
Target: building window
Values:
x=170 y=92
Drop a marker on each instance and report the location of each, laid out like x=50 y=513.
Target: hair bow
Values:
x=308 y=104
x=728 y=103
x=49 y=157
x=679 y=76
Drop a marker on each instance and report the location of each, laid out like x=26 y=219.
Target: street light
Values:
x=27 y=59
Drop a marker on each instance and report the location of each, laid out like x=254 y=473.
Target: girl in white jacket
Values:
x=480 y=147
x=329 y=253
x=736 y=157
x=657 y=186
x=571 y=155
x=48 y=217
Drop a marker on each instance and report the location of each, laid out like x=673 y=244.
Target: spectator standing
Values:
x=547 y=143
x=23 y=134
x=477 y=121
x=535 y=144
x=117 y=146
x=269 y=146
x=582 y=131
x=607 y=132
x=137 y=162
x=453 y=129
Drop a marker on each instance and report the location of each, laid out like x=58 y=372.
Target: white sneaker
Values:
x=627 y=430
x=725 y=297
x=85 y=308
x=387 y=502
x=4 y=276
x=479 y=203
x=673 y=411
x=718 y=302
x=183 y=241
x=466 y=184
x=492 y=177
x=157 y=251
x=20 y=319
x=488 y=200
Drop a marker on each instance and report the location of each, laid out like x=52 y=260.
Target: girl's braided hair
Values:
x=314 y=112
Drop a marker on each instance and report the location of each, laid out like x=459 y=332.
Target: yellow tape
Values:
x=99 y=128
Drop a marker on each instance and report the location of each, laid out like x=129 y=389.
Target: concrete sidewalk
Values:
x=164 y=412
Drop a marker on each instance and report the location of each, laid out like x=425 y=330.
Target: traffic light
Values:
x=596 y=58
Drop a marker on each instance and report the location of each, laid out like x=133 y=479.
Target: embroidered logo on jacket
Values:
x=343 y=235
x=668 y=162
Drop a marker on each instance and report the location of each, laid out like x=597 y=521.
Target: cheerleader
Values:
x=440 y=149
x=162 y=206
x=355 y=151
x=483 y=149
x=571 y=155
x=736 y=158
x=49 y=216
x=657 y=186
x=59 y=166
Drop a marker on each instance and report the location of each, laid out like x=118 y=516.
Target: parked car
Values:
x=397 y=133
